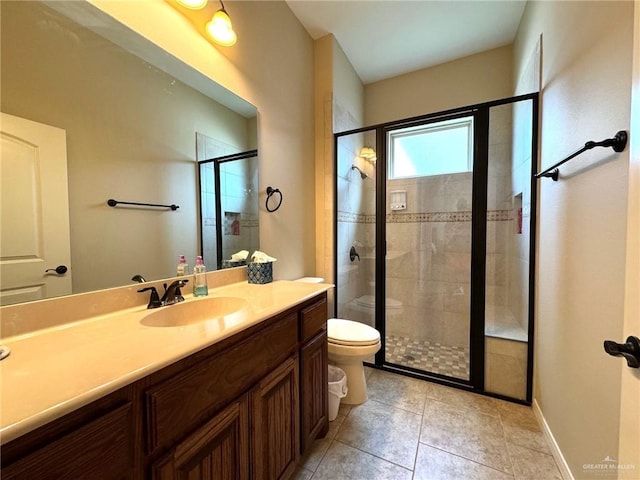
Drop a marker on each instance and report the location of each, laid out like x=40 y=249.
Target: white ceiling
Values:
x=385 y=38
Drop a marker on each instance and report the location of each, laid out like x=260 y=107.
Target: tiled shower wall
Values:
x=429 y=255
x=429 y=246
x=500 y=235
x=356 y=227
x=239 y=186
x=519 y=251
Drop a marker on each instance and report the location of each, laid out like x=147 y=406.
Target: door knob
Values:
x=60 y=269
x=629 y=350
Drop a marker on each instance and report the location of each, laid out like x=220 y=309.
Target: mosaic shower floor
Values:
x=429 y=356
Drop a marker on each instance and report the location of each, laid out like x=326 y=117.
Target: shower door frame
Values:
x=480 y=113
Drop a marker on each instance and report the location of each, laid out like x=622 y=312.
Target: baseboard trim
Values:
x=565 y=471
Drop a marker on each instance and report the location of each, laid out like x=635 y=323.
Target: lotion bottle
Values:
x=200 y=287
x=182 y=269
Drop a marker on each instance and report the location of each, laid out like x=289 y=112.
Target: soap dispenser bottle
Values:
x=182 y=269
x=200 y=287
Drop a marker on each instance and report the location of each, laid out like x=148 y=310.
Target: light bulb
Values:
x=368 y=153
x=193 y=4
x=221 y=30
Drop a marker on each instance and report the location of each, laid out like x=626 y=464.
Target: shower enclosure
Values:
x=434 y=242
x=228 y=207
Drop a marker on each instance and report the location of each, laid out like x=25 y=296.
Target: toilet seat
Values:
x=350 y=333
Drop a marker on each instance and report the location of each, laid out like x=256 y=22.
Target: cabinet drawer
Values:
x=313 y=319
x=100 y=449
x=177 y=405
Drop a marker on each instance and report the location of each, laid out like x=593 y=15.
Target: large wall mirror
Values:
x=126 y=115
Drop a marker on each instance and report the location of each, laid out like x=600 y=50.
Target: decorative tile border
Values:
x=463 y=216
x=349 y=217
x=252 y=221
x=499 y=215
x=249 y=223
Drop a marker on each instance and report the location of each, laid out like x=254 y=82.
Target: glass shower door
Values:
x=428 y=246
x=510 y=224
x=438 y=253
x=356 y=226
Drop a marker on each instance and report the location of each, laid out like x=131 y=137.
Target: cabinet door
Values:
x=100 y=449
x=218 y=450
x=314 y=391
x=275 y=423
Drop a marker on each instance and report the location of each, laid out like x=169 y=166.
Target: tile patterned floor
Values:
x=431 y=357
x=412 y=429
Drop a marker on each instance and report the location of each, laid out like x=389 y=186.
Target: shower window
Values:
x=439 y=148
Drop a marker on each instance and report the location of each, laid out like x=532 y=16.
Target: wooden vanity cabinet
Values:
x=314 y=386
x=94 y=442
x=241 y=408
x=217 y=450
x=275 y=424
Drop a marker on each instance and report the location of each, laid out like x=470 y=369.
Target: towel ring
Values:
x=270 y=193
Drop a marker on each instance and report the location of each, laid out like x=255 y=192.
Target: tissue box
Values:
x=233 y=263
x=260 y=272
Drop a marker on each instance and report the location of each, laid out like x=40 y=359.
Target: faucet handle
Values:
x=154 y=299
x=172 y=292
x=181 y=283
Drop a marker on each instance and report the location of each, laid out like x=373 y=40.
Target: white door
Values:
x=629 y=448
x=34 y=214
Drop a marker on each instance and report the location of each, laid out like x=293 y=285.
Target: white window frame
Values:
x=433 y=127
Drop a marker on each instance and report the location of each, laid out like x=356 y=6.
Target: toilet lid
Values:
x=348 y=332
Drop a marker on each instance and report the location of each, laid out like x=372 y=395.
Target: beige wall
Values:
x=130 y=136
x=323 y=102
x=271 y=66
x=586 y=72
x=474 y=79
x=339 y=107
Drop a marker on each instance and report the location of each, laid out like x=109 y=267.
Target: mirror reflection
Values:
x=228 y=192
x=128 y=128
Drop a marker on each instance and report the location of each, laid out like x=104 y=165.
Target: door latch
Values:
x=629 y=350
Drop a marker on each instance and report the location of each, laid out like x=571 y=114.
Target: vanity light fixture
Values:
x=220 y=28
x=193 y=4
x=368 y=154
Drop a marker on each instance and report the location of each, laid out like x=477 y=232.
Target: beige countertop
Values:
x=54 y=371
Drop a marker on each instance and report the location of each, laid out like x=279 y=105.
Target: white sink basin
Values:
x=196 y=311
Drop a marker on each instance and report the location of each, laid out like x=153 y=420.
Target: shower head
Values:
x=362 y=174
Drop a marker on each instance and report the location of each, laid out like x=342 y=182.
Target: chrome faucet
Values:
x=172 y=293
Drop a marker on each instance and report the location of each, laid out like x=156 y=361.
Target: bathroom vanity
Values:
x=245 y=404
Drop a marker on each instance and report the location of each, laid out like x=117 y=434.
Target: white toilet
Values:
x=350 y=343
